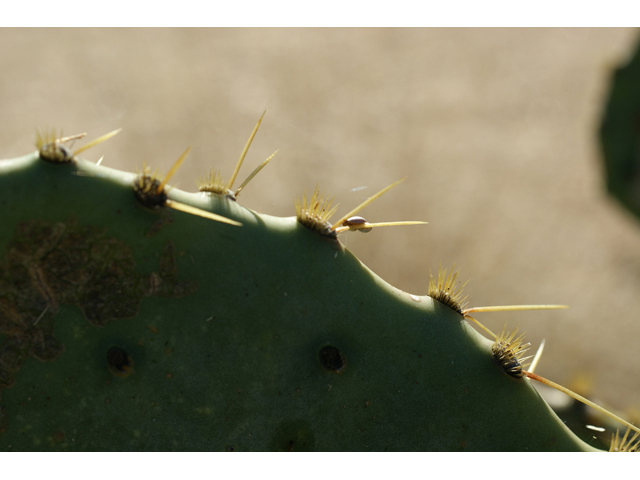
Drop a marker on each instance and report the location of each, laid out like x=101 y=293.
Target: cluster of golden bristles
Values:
x=316 y=213
x=214 y=183
x=447 y=290
x=51 y=145
x=508 y=351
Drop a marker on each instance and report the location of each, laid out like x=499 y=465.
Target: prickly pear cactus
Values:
x=620 y=134
x=128 y=325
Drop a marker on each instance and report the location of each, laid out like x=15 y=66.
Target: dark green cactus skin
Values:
x=224 y=328
x=620 y=135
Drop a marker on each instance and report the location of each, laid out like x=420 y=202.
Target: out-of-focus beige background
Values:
x=494 y=128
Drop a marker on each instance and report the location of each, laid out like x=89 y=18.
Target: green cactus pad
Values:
x=161 y=330
x=620 y=134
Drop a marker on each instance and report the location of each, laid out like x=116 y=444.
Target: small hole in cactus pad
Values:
x=120 y=362
x=332 y=359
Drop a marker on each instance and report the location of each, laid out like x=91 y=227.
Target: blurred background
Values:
x=496 y=130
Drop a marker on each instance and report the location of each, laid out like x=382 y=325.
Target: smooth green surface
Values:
x=234 y=364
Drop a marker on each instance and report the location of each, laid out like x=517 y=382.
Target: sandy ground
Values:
x=495 y=130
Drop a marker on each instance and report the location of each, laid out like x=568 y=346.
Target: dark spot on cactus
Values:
x=120 y=362
x=230 y=449
x=46 y=346
x=159 y=225
x=13 y=352
x=7 y=379
x=48 y=264
x=332 y=359
x=145 y=189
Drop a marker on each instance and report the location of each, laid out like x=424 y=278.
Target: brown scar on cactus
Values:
x=507 y=349
x=62 y=263
x=52 y=149
x=214 y=183
x=151 y=193
x=316 y=213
